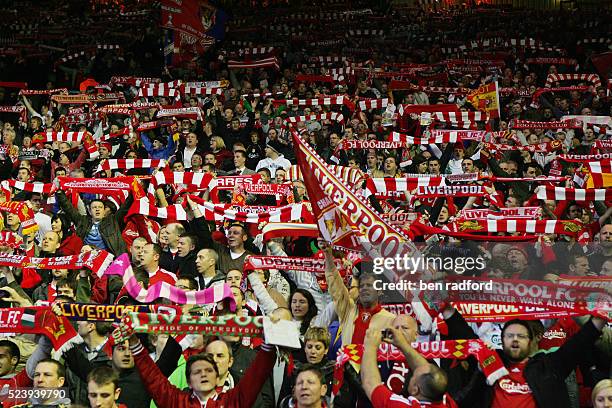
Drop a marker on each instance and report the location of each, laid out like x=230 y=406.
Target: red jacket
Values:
x=243 y=395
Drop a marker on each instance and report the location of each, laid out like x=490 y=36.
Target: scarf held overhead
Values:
x=488 y=360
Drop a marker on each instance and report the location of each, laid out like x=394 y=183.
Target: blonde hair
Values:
x=599 y=387
x=219 y=141
x=318 y=334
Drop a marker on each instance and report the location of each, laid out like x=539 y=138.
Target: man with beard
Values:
x=532 y=380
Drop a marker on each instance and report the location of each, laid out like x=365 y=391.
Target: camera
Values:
x=387 y=334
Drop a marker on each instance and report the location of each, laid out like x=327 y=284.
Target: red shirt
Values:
x=513 y=390
x=382 y=397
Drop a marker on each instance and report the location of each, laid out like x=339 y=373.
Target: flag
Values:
x=600 y=174
x=192 y=25
x=486 y=99
x=28 y=318
x=331 y=200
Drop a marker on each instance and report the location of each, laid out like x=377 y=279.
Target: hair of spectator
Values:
x=265 y=170
x=318 y=334
x=520 y=322
x=193 y=238
x=156 y=248
x=313 y=369
x=141 y=276
x=219 y=142
x=433 y=384
x=103 y=375
x=71 y=283
x=61 y=370
x=600 y=386
x=97 y=200
x=312 y=308
x=13 y=349
x=200 y=357
x=65 y=223
x=193 y=284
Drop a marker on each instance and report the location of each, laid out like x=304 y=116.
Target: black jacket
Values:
x=135 y=394
x=110 y=226
x=169 y=262
x=545 y=373
x=243 y=358
x=187 y=266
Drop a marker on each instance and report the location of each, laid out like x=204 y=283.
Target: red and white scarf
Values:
x=489 y=362
x=371 y=144
x=95 y=261
x=581 y=158
x=98 y=185
x=115 y=164
x=517 y=212
x=563 y=124
x=411 y=140
x=192 y=113
x=322 y=101
x=447 y=191
x=152 y=90
x=460 y=119
x=387 y=186
x=21 y=110
x=41 y=188
x=572 y=194
x=289 y=229
x=222 y=212
x=43 y=91
x=368 y=104
x=271 y=62
x=592 y=78
x=134 y=81
x=335 y=116
x=548 y=147
x=562 y=227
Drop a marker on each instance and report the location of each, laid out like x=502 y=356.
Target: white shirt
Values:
x=279 y=163
x=187 y=154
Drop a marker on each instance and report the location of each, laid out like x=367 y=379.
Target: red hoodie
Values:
x=243 y=395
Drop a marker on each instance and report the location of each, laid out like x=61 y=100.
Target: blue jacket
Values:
x=162 y=153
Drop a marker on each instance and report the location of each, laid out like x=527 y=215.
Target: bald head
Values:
x=407 y=325
x=428 y=383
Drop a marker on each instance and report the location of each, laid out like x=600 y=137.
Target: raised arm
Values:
x=336 y=287
x=370 y=374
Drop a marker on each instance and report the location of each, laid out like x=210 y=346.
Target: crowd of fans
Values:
x=243 y=127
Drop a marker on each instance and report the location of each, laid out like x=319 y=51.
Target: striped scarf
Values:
x=572 y=194
x=115 y=164
x=122 y=267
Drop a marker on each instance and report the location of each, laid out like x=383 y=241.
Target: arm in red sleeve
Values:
x=163 y=393
x=247 y=390
x=99 y=289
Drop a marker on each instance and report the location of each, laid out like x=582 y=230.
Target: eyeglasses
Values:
x=519 y=336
